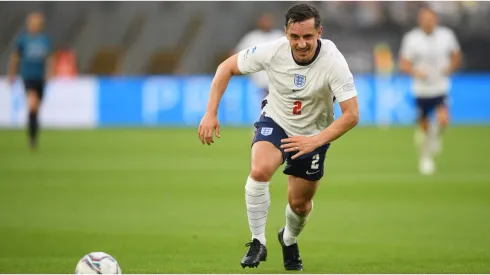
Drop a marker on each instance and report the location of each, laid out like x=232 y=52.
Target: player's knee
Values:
x=33 y=108
x=443 y=119
x=424 y=124
x=300 y=207
x=33 y=102
x=261 y=173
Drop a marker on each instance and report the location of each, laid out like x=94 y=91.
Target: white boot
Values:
x=427 y=165
x=426 y=161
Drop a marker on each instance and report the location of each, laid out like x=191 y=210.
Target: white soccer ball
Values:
x=98 y=263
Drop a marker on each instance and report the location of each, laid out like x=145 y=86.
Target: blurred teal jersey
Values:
x=34 y=51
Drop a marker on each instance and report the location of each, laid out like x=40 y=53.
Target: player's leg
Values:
x=423 y=142
x=304 y=175
x=34 y=92
x=422 y=125
x=298 y=209
x=442 y=116
x=266 y=158
x=300 y=203
x=442 y=121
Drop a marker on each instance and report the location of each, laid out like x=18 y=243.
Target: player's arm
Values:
x=341 y=83
x=406 y=66
x=455 y=62
x=407 y=55
x=13 y=65
x=225 y=71
x=247 y=61
x=209 y=122
x=455 y=55
x=347 y=120
x=14 y=59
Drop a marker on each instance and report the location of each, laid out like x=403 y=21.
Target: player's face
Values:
x=35 y=23
x=303 y=38
x=427 y=20
x=265 y=22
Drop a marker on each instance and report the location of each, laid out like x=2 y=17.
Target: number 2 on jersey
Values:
x=297 y=107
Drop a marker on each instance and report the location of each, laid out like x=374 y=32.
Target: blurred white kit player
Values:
x=430 y=53
x=263 y=33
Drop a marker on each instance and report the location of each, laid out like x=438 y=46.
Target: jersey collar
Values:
x=317 y=52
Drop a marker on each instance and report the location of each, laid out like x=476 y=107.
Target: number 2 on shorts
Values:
x=314 y=162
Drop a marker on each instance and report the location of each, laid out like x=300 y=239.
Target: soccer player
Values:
x=33 y=53
x=430 y=53
x=307 y=74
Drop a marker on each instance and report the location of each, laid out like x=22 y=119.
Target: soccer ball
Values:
x=98 y=263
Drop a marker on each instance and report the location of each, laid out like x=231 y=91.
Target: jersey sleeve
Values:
x=406 y=49
x=453 y=42
x=19 y=44
x=256 y=58
x=341 y=80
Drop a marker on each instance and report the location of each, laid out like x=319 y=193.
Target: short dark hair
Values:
x=301 y=12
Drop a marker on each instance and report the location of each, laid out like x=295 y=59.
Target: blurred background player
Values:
x=430 y=53
x=33 y=53
x=264 y=32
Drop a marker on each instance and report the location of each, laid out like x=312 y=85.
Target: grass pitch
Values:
x=160 y=202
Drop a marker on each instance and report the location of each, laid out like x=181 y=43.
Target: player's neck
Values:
x=34 y=34
x=313 y=58
x=428 y=31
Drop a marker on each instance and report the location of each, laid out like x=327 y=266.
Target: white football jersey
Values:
x=254 y=38
x=301 y=96
x=431 y=54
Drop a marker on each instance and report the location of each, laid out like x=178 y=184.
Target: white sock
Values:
x=423 y=141
x=294 y=225
x=258 y=202
x=435 y=131
x=420 y=136
x=426 y=147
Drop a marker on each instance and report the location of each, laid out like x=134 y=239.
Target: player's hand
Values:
x=301 y=144
x=209 y=124
x=420 y=75
x=447 y=71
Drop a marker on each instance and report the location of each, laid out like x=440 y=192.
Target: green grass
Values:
x=160 y=202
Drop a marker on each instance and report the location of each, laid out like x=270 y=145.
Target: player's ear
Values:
x=286 y=32
x=320 y=31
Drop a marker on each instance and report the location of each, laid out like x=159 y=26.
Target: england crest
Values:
x=266 y=131
x=299 y=80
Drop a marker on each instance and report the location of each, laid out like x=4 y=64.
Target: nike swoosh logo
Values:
x=310 y=173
